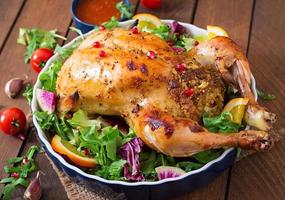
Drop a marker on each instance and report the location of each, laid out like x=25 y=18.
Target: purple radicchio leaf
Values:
x=177 y=28
x=130 y=152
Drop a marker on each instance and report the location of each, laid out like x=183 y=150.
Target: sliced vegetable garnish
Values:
x=236 y=107
x=65 y=148
x=147 y=20
x=130 y=152
x=214 y=31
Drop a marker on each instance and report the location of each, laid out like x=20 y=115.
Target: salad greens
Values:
x=48 y=78
x=126 y=10
x=221 y=123
x=37 y=38
x=123 y=156
x=112 y=23
x=174 y=33
x=19 y=172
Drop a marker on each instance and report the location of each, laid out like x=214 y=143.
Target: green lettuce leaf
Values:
x=80 y=119
x=221 y=123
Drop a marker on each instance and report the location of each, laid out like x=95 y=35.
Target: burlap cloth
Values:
x=77 y=190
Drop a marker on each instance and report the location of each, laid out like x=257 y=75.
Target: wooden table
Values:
x=256 y=25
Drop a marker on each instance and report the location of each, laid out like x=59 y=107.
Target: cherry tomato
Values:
x=12 y=121
x=151 y=3
x=39 y=58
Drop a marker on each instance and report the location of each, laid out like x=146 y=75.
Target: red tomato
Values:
x=12 y=121
x=39 y=58
x=151 y=3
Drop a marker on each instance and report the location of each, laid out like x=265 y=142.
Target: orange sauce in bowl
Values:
x=97 y=11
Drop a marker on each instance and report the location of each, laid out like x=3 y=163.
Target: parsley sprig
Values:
x=20 y=167
x=37 y=38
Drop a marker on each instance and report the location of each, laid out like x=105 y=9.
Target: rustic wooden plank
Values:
x=54 y=190
x=51 y=185
x=181 y=10
x=43 y=15
x=262 y=176
x=233 y=16
x=225 y=14
x=9 y=10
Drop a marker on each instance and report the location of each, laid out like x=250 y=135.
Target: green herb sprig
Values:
x=21 y=169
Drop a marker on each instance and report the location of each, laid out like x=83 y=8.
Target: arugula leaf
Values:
x=113 y=23
x=206 y=156
x=112 y=171
x=50 y=121
x=48 y=78
x=45 y=120
x=264 y=96
x=221 y=123
x=28 y=93
x=37 y=38
x=103 y=145
x=80 y=119
x=125 y=10
x=188 y=166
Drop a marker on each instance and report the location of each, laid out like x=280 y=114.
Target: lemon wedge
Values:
x=147 y=20
x=236 y=107
x=214 y=31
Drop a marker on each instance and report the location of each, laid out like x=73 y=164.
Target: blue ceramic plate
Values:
x=83 y=26
x=162 y=189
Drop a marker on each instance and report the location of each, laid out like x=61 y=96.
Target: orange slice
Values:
x=65 y=148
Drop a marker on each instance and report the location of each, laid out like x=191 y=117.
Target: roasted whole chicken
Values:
x=160 y=93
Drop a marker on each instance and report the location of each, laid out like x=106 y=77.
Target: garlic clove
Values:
x=34 y=190
x=13 y=87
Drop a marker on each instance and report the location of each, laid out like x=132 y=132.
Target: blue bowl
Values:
x=162 y=189
x=83 y=26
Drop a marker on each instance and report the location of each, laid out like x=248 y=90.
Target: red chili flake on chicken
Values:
x=135 y=30
x=102 y=53
x=102 y=28
x=189 y=92
x=181 y=67
x=151 y=55
x=96 y=44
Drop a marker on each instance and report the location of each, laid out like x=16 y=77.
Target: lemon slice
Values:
x=65 y=148
x=214 y=31
x=147 y=20
x=236 y=107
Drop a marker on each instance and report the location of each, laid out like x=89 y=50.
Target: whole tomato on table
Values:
x=39 y=58
x=12 y=121
x=151 y=3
